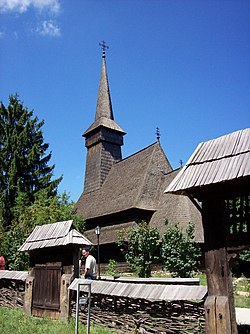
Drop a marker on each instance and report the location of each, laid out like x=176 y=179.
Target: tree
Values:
x=24 y=165
x=45 y=210
x=140 y=245
x=179 y=251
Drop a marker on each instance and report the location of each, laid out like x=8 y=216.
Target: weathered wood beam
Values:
x=220 y=311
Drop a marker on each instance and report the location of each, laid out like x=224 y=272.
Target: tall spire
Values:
x=104 y=105
x=104 y=137
x=104 y=112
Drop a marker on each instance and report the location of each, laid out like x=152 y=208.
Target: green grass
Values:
x=241 y=292
x=17 y=322
x=202 y=277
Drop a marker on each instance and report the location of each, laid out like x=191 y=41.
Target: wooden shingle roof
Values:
x=106 y=123
x=13 y=275
x=142 y=291
x=52 y=235
x=176 y=209
x=109 y=233
x=138 y=182
x=216 y=161
x=133 y=182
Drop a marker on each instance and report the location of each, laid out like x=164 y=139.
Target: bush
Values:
x=179 y=252
x=112 y=268
x=140 y=246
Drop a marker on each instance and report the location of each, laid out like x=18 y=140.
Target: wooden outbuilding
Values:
x=54 y=263
x=217 y=176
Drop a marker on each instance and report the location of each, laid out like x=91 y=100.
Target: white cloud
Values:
x=49 y=28
x=1 y=34
x=22 y=6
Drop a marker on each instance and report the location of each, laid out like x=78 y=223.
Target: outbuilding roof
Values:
x=52 y=235
x=216 y=161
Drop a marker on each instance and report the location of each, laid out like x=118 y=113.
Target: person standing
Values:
x=2 y=263
x=90 y=264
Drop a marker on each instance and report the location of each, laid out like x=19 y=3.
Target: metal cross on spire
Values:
x=158 y=134
x=104 y=46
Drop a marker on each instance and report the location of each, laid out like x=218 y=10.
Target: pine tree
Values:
x=24 y=168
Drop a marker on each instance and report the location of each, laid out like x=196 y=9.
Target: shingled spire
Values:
x=103 y=138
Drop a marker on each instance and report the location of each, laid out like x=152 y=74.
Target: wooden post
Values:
x=65 y=297
x=28 y=295
x=219 y=306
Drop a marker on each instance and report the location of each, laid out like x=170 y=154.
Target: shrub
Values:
x=179 y=251
x=140 y=245
x=112 y=268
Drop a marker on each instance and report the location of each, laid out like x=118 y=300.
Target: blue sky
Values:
x=182 y=66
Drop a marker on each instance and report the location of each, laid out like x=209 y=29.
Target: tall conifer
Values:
x=24 y=168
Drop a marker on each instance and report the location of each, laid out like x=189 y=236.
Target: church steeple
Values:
x=103 y=138
x=104 y=113
x=104 y=105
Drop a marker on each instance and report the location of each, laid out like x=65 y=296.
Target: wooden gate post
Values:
x=65 y=297
x=219 y=306
x=28 y=294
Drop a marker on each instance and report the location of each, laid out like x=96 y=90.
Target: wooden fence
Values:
x=128 y=315
x=125 y=314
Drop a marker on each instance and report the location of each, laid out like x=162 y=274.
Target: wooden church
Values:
x=119 y=193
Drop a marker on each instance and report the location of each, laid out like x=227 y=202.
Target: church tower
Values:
x=103 y=138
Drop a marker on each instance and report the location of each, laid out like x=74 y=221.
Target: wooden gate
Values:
x=46 y=290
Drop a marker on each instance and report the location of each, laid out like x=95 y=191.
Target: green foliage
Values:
x=45 y=210
x=28 y=195
x=15 y=320
x=140 y=245
x=245 y=255
x=112 y=268
x=180 y=253
x=24 y=168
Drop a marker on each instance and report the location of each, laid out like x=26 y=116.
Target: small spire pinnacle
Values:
x=181 y=163
x=103 y=46
x=158 y=134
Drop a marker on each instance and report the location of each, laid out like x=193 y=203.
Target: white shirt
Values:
x=91 y=265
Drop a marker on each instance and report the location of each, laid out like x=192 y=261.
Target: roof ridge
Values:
x=133 y=154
